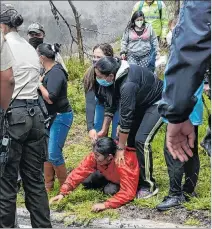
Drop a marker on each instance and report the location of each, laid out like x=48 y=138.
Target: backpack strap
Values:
x=141 y=5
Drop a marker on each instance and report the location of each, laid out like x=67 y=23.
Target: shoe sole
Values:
x=169 y=208
x=152 y=194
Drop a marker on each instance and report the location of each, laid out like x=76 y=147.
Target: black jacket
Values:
x=138 y=90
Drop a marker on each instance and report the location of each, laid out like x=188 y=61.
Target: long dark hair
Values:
x=131 y=23
x=89 y=77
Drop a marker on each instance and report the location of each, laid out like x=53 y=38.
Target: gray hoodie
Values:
x=139 y=45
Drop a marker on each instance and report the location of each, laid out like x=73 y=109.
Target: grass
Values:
x=79 y=203
x=192 y=222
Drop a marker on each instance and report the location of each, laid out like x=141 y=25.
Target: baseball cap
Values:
x=36 y=28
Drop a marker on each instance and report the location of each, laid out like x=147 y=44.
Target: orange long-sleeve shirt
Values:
x=126 y=175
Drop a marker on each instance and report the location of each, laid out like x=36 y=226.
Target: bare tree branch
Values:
x=53 y=7
x=79 y=32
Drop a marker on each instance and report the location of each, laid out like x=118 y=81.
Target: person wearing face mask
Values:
x=119 y=181
x=138 y=40
x=36 y=34
x=26 y=128
x=156 y=14
x=53 y=87
x=98 y=97
x=138 y=93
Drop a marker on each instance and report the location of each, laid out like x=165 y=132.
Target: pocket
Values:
x=17 y=126
x=15 y=119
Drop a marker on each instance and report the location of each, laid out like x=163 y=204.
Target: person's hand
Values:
x=119 y=159
x=180 y=139
x=93 y=135
x=123 y=56
x=163 y=42
x=206 y=88
x=101 y=134
x=57 y=199
x=98 y=207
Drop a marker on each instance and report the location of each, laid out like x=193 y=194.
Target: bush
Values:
x=75 y=87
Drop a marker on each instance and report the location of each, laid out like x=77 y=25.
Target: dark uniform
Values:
x=28 y=147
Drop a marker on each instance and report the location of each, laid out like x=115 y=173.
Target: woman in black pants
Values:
x=138 y=93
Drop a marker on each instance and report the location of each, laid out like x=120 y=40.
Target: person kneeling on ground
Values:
x=120 y=181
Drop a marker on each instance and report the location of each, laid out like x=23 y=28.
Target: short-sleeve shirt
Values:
x=7 y=58
x=26 y=68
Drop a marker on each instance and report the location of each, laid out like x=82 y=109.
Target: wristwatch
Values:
x=119 y=148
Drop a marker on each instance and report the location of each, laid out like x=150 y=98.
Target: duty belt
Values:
x=28 y=103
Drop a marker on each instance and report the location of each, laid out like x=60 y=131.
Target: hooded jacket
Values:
x=55 y=81
x=138 y=90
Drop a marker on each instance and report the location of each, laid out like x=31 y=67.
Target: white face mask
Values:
x=139 y=23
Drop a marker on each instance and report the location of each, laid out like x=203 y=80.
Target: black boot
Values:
x=170 y=202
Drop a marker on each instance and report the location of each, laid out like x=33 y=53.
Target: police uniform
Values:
x=28 y=147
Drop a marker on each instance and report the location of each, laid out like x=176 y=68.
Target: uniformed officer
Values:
x=27 y=150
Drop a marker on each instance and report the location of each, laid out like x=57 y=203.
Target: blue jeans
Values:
x=58 y=133
x=99 y=118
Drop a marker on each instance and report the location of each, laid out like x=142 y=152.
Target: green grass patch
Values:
x=192 y=222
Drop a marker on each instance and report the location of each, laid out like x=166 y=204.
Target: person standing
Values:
x=53 y=87
x=138 y=40
x=27 y=150
x=7 y=81
x=179 y=193
x=36 y=35
x=155 y=13
x=190 y=54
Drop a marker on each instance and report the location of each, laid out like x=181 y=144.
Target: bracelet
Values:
x=40 y=84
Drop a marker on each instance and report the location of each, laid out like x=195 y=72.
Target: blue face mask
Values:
x=103 y=82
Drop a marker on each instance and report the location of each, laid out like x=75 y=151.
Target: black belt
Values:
x=24 y=103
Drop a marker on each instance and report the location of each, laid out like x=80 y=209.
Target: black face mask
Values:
x=35 y=41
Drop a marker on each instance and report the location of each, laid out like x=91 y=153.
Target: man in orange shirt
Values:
x=122 y=181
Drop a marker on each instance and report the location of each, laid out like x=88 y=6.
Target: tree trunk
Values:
x=79 y=33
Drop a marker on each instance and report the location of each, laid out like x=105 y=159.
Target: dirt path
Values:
x=131 y=217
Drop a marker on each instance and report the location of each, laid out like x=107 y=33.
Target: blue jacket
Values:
x=190 y=52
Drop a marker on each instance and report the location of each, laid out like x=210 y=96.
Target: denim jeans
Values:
x=58 y=133
x=99 y=118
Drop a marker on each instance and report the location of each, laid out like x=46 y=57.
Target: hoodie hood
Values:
x=123 y=70
x=59 y=66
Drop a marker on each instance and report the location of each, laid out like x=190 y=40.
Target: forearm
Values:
x=45 y=94
x=122 y=140
x=7 y=85
x=106 y=124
